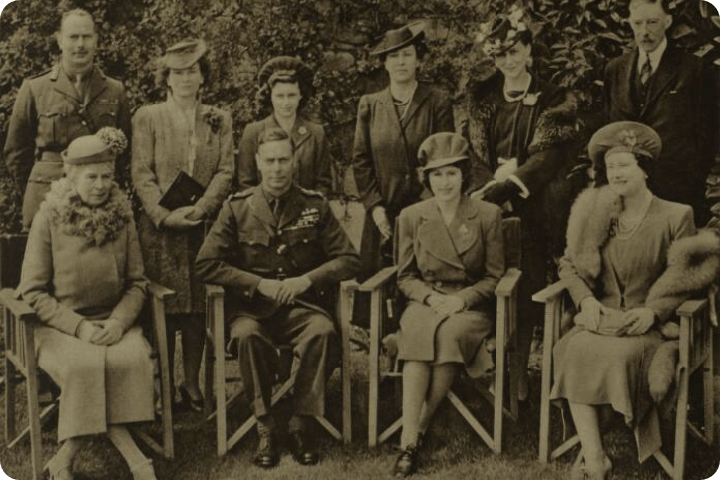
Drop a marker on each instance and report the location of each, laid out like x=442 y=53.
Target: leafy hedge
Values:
x=575 y=40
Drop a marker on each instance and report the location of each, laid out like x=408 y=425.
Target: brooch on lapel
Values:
x=302 y=130
x=463 y=230
x=309 y=217
x=213 y=119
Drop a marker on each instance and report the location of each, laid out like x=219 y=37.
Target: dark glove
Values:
x=501 y=192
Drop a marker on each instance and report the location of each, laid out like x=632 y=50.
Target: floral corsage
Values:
x=213 y=118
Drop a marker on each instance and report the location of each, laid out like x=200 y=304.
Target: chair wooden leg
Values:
x=33 y=405
x=10 y=374
x=709 y=396
x=220 y=405
x=680 y=426
x=374 y=368
x=548 y=338
x=345 y=317
x=166 y=395
x=499 y=378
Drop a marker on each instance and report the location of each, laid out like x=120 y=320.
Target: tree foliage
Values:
x=575 y=39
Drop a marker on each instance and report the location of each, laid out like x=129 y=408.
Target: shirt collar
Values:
x=655 y=56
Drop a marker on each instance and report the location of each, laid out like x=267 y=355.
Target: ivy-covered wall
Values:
x=575 y=38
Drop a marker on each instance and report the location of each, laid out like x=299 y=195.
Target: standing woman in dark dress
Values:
x=391 y=125
x=525 y=131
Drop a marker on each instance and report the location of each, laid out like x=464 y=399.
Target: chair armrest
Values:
x=158 y=291
x=508 y=283
x=378 y=280
x=549 y=292
x=214 y=291
x=690 y=308
x=19 y=308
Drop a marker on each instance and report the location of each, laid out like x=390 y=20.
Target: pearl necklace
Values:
x=624 y=233
x=511 y=99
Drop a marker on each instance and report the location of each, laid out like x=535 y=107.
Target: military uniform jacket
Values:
x=247 y=244
x=47 y=116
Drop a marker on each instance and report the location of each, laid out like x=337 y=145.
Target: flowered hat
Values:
x=285 y=67
x=441 y=149
x=399 y=38
x=626 y=136
x=184 y=54
x=102 y=147
x=504 y=31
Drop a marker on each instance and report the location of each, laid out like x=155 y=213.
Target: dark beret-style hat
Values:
x=626 y=136
x=399 y=38
x=184 y=54
x=285 y=67
x=102 y=147
x=441 y=149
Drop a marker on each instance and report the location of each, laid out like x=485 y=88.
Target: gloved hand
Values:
x=501 y=192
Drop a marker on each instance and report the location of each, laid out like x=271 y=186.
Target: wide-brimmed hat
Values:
x=626 y=136
x=502 y=32
x=441 y=149
x=184 y=54
x=103 y=147
x=285 y=67
x=399 y=38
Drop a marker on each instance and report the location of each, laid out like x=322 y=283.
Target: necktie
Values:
x=275 y=206
x=645 y=71
x=79 y=86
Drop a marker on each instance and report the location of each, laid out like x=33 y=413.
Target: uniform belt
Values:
x=49 y=156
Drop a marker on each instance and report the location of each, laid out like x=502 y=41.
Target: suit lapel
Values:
x=95 y=87
x=64 y=86
x=300 y=132
x=435 y=238
x=665 y=73
x=464 y=229
x=421 y=94
x=628 y=71
x=292 y=209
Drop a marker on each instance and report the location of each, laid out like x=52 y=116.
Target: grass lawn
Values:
x=453 y=450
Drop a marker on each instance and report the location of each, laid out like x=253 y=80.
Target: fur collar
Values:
x=692 y=262
x=99 y=225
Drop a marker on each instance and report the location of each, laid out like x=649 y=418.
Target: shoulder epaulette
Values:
x=312 y=193
x=242 y=194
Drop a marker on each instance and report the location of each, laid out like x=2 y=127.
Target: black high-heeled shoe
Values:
x=195 y=405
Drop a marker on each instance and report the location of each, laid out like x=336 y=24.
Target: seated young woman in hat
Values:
x=450 y=259
x=626 y=269
x=285 y=86
x=181 y=134
x=83 y=274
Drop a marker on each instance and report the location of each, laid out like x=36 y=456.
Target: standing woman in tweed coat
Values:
x=181 y=134
x=525 y=131
x=391 y=125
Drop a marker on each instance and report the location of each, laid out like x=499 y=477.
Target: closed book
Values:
x=183 y=191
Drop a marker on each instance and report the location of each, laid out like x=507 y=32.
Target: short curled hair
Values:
x=421 y=49
x=275 y=134
x=462 y=164
x=264 y=93
x=163 y=72
x=645 y=163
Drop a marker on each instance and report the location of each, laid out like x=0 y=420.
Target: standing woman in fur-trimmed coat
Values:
x=525 y=131
x=625 y=272
x=181 y=134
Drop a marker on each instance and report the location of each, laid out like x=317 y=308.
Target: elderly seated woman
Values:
x=625 y=272
x=83 y=274
x=450 y=259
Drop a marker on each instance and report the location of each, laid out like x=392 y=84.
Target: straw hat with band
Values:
x=626 y=136
x=184 y=54
x=103 y=147
x=401 y=37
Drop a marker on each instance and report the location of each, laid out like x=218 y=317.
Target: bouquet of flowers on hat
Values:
x=114 y=138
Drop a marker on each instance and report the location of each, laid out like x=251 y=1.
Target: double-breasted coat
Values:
x=679 y=106
x=162 y=147
x=597 y=369
x=67 y=277
x=310 y=149
x=385 y=151
x=49 y=114
x=466 y=259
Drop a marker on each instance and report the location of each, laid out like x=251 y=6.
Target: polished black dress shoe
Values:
x=407 y=462
x=302 y=449
x=190 y=403
x=266 y=455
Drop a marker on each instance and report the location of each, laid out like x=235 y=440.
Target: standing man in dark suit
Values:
x=670 y=91
x=52 y=109
x=280 y=252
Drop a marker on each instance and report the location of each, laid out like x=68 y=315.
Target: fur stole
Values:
x=99 y=225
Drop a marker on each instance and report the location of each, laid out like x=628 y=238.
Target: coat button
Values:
x=84 y=122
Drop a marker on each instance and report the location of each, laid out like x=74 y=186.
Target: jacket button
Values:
x=438 y=283
x=84 y=122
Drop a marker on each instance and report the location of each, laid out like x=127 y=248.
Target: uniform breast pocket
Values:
x=254 y=247
x=305 y=246
x=52 y=126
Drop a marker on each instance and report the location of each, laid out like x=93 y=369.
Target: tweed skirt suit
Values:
x=466 y=259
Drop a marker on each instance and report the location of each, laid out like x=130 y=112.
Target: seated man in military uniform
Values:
x=279 y=251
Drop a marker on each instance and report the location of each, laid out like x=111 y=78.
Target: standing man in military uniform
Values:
x=279 y=251
x=52 y=109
